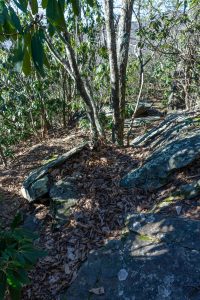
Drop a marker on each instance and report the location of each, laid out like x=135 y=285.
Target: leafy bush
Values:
x=17 y=256
x=106 y=121
x=129 y=110
x=84 y=123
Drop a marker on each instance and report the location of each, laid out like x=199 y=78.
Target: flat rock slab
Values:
x=173 y=127
x=156 y=171
x=142 y=121
x=174 y=144
x=157 y=259
x=64 y=196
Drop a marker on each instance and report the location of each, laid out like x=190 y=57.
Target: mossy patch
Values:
x=52 y=158
x=167 y=202
x=144 y=237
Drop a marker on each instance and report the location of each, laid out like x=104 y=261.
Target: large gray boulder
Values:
x=157 y=169
x=38 y=183
x=157 y=259
x=175 y=143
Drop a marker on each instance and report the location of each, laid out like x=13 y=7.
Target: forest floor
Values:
x=101 y=209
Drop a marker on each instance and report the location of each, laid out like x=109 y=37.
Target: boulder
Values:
x=171 y=128
x=175 y=143
x=63 y=196
x=38 y=183
x=143 y=109
x=156 y=171
x=37 y=189
x=157 y=259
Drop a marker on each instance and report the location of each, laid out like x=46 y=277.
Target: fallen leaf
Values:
x=97 y=291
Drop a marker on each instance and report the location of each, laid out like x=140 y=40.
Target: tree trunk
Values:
x=118 y=59
x=141 y=83
x=45 y=125
x=64 y=100
x=122 y=54
x=114 y=72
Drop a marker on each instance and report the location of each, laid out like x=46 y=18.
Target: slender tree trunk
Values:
x=64 y=100
x=114 y=72
x=70 y=95
x=32 y=123
x=141 y=83
x=44 y=121
x=122 y=53
x=118 y=59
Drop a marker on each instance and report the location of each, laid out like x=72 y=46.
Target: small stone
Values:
x=136 y=226
x=191 y=190
x=178 y=209
x=150 y=219
x=122 y=275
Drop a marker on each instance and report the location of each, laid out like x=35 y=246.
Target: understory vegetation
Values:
x=41 y=71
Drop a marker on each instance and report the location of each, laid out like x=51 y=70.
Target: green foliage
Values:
x=11 y=28
x=129 y=110
x=37 y=51
x=38 y=89
x=55 y=13
x=84 y=123
x=17 y=256
x=106 y=121
x=34 y=6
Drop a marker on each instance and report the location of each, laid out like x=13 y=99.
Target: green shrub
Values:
x=17 y=256
x=129 y=110
x=84 y=123
x=106 y=121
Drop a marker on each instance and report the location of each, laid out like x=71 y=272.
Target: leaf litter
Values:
x=99 y=214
